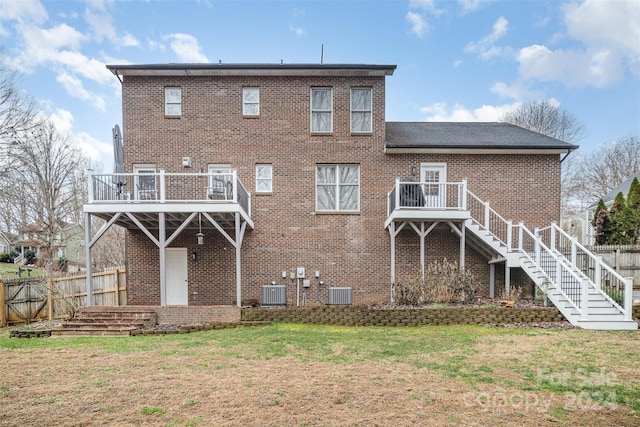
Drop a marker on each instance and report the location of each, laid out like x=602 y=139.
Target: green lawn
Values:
x=291 y=374
x=11 y=270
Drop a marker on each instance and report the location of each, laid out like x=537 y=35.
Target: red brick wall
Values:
x=347 y=249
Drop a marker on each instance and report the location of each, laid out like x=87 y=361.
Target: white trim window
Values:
x=321 y=110
x=145 y=183
x=361 y=110
x=250 y=101
x=173 y=101
x=338 y=188
x=264 y=178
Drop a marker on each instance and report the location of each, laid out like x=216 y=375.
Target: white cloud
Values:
x=419 y=10
x=608 y=37
x=485 y=47
x=607 y=26
x=425 y=5
x=127 y=40
x=298 y=31
x=101 y=25
x=74 y=87
x=186 y=47
x=23 y=11
x=154 y=45
x=441 y=112
x=571 y=67
x=468 y=6
x=92 y=148
x=418 y=24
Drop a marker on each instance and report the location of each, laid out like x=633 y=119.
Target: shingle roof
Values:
x=460 y=135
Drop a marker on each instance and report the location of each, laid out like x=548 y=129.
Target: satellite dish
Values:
x=118 y=158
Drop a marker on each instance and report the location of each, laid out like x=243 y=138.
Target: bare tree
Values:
x=17 y=113
x=547 y=119
x=609 y=166
x=45 y=171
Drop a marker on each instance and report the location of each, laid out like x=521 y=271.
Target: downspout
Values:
x=567 y=155
x=115 y=71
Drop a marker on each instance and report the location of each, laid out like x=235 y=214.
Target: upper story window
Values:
x=250 y=101
x=172 y=101
x=337 y=188
x=264 y=178
x=321 y=110
x=361 y=108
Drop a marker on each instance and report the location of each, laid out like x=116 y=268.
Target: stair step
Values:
x=101 y=325
x=92 y=332
x=101 y=320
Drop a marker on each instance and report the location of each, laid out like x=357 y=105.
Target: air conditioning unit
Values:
x=274 y=295
x=340 y=296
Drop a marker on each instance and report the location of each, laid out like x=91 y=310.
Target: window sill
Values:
x=251 y=116
x=172 y=117
x=337 y=212
x=321 y=133
x=361 y=133
x=264 y=193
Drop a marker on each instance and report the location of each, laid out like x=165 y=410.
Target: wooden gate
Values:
x=24 y=300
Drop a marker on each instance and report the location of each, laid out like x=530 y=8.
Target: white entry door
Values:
x=176 y=276
x=434 y=177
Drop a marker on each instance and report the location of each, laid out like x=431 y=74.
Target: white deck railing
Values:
x=163 y=187
x=407 y=194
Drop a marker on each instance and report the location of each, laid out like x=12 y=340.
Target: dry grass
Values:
x=295 y=375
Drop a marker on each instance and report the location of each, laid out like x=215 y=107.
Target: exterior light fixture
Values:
x=200 y=236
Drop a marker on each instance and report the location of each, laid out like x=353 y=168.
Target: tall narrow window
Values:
x=264 y=178
x=145 y=182
x=220 y=184
x=321 y=110
x=338 y=188
x=251 y=101
x=172 y=101
x=361 y=110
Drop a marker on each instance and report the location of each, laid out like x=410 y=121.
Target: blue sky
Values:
x=465 y=60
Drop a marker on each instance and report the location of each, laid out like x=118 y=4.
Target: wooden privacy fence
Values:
x=624 y=259
x=29 y=299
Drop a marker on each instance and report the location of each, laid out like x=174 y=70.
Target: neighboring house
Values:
x=68 y=241
x=72 y=245
x=579 y=225
x=237 y=176
x=6 y=242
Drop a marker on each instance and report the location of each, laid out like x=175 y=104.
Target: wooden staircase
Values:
x=108 y=321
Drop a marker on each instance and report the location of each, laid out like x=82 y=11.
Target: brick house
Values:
x=245 y=173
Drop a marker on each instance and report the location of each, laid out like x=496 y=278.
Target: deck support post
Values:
x=463 y=229
x=238 y=245
x=87 y=255
x=392 y=235
x=162 y=238
x=507 y=278
x=492 y=280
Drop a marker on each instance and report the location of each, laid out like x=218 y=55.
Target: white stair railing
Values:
x=559 y=258
x=617 y=289
x=490 y=220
